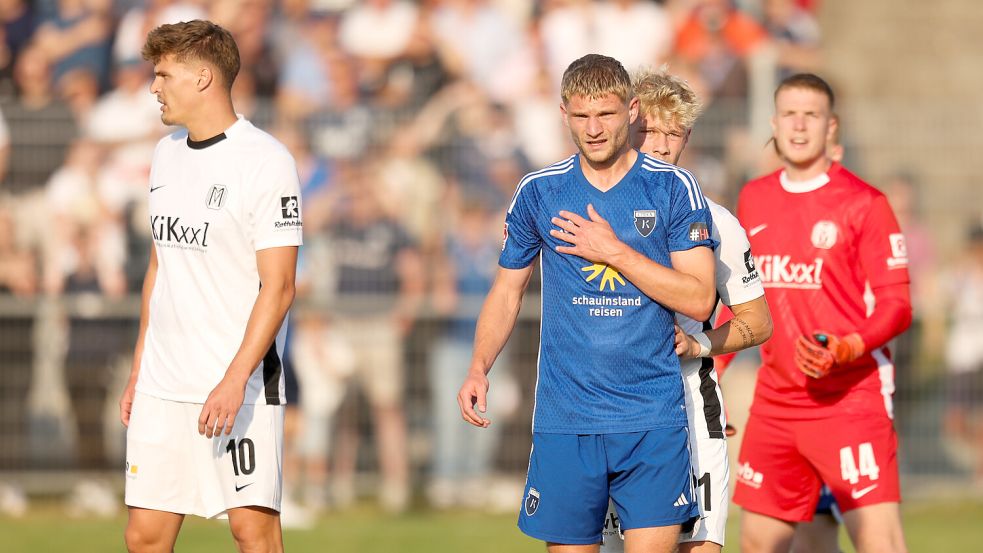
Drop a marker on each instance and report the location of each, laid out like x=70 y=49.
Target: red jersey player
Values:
x=822 y=407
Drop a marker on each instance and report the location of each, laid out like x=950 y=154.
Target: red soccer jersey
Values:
x=817 y=248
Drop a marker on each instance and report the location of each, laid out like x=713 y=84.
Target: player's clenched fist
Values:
x=220 y=409
x=816 y=355
x=474 y=393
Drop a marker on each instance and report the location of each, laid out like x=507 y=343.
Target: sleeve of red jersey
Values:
x=884 y=259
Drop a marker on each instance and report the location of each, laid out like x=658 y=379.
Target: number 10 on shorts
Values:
x=867 y=464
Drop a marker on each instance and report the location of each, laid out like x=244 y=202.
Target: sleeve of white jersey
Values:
x=273 y=203
x=738 y=281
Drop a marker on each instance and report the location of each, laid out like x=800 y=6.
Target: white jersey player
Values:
x=204 y=405
x=669 y=108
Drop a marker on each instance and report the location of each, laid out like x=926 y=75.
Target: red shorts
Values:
x=783 y=464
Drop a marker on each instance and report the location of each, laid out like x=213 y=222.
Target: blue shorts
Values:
x=571 y=476
x=827 y=504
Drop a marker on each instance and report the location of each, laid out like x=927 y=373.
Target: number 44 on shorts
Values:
x=849 y=467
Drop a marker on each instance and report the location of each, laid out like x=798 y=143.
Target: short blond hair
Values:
x=594 y=76
x=666 y=97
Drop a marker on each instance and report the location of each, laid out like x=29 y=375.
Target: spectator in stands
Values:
x=143 y=17
x=463 y=455
x=964 y=355
x=18 y=267
x=716 y=38
x=795 y=33
x=379 y=286
x=377 y=33
x=18 y=21
x=78 y=35
x=478 y=41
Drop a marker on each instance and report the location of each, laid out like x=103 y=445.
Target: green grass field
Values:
x=930 y=527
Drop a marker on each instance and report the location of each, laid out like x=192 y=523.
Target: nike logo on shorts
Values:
x=157 y=187
x=857 y=494
x=242 y=487
x=757 y=229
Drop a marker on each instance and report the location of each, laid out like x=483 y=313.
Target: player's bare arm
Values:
x=495 y=324
x=687 y=287
x=277 y=269
x=126 y=401
x=751 y=326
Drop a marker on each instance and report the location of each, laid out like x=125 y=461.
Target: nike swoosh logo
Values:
x=857 y=494
x=240 y=488
x=757 y=229
x=158 y=187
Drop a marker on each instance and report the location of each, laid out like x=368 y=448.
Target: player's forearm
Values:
x=264 y=323
x=891 y=316
x=751 y=326
x=495 y=324
x=675 y=290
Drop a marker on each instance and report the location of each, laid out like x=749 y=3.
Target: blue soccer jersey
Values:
x=606 y=361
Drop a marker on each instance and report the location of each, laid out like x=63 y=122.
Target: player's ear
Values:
x=633 y=106
x=831 y=128
x=563 y=114
x=205 y=77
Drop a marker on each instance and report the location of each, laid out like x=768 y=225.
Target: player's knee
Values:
x=254 y=538
x=880 y=545
x=142 y=540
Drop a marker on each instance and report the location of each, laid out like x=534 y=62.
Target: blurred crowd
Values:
x=411 y=123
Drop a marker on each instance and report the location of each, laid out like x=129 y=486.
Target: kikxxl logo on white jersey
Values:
x=780 y=271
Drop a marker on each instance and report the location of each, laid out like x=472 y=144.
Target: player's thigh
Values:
x=820 y=535
x=765 y=534
x=876 y=528
x=160 y=463
x=245 y=468
x=149 y=531
x=565 y=548
x=773 y=477
x=711 y=478
x=700 y=547
x=566 y=491
x=256 y=529
x=856 y=456
x=651 y=483
x=660 y=539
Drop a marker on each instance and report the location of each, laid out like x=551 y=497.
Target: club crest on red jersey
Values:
x=824 y=234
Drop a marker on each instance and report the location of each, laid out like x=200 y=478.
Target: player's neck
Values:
x=211 y=122
x=808 y=171
x=605 y=176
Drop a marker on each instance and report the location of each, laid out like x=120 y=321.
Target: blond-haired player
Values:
x=669 y=108
x=624 y=243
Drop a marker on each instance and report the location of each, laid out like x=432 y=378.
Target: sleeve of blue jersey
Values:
x=691 y=224
x=522 y=240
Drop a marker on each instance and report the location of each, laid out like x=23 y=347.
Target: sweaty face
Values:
x=802 y=126
x=175 y=85
x=663 y=141
x=599 y=126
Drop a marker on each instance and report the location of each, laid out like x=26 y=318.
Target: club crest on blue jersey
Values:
x=645 y=220
x=531 y=504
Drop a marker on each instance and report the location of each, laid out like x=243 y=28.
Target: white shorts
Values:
x=171 y=467
x=708 y=455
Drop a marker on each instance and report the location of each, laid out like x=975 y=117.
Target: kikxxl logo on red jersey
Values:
x=779 y=271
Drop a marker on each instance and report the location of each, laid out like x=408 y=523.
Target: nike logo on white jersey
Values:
x=681 y=501
x=157 y=187
x=857 y=494
x=757 y=229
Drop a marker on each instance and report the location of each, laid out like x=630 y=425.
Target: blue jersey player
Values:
x=624 y=242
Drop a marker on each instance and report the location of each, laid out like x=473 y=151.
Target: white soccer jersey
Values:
x=737 y=282
x=213 y=205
